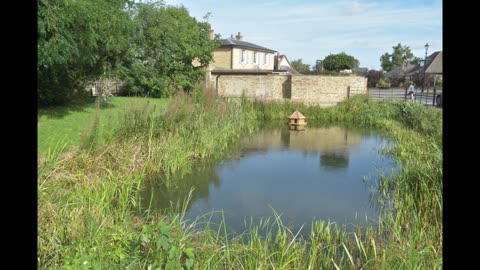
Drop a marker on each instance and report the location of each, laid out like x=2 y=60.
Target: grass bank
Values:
x=63 y=126
x=86 y=197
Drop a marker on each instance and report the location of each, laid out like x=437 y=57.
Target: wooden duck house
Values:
x=297 y=121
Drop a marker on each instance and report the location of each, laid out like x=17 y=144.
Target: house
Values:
x=235 y=54
x=243 y=69
x=283 y=66
x=433 y=69
x=360 y=71
x=434 y=65
x=399 y=73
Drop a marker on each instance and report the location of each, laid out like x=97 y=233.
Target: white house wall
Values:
x=236 y=64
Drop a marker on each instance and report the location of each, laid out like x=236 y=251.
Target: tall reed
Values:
x=86 y=200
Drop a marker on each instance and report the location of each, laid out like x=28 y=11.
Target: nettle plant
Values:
x=163 y=250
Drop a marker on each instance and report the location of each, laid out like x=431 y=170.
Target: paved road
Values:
x=396 y=94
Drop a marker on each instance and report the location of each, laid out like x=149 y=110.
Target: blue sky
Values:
x=310 y=30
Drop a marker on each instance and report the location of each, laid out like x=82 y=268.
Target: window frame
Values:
x=243 y=56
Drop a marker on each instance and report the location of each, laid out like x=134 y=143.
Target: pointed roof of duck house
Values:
x=297 y=115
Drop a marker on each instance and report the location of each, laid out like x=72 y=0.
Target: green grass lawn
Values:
x=64 y=125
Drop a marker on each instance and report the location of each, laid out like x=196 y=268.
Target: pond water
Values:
x=318 y=173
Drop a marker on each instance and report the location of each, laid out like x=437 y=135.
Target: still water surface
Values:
x=319 y=173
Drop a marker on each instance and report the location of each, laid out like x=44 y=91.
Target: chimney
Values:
x=231 y=36
x=239 y=36
x=210 y=34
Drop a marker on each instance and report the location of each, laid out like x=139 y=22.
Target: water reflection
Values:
x=334 y=161
x=312 y=174
x=159 y=195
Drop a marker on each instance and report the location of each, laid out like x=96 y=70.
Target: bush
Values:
x=396 y=80
x=420 y=118
x=440 y=82
x=330 y=72
x=408 y=82
x=373 y=76
x=383 y=84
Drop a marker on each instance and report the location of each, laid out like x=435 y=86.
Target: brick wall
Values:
x=320 y=90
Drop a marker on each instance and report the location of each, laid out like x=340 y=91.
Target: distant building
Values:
x=236 y=54
x=401 y=71
x=283 y=66
x=434 y=65
x=360 y=71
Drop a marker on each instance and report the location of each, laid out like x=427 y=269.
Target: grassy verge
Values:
x=63 y=127
x=86 y=197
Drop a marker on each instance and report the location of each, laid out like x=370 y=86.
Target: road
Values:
x=396 y=94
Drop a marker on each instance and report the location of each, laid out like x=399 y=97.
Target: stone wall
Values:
x=326 y=90
x=267 y=87
x=114 y=86
x=319 y=90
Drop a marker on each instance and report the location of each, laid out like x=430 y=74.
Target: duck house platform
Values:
x=297 y=121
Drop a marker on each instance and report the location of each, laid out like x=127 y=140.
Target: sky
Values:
x=313 y=29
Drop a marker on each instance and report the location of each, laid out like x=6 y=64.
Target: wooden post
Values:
x=348 y=92
x=216 y=83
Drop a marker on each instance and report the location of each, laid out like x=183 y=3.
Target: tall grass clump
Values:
x=87 y=199
x=89 y=137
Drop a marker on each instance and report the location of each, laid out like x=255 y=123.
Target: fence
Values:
x=427 y=98
x=114 y=87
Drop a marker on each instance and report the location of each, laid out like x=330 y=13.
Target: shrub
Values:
x=383 y=84
x=330 y=72
x=373 y=76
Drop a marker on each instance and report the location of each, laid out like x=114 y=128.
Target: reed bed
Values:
x=87 y=197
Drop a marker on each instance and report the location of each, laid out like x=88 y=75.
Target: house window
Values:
x=243 y=57
x=255 y=58
x=265 y=59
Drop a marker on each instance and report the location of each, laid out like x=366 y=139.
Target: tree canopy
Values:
x=150 y=46
x=341 y=61
x=166 y=40
x=300 y=67
x=78 y=41
x=400 y=54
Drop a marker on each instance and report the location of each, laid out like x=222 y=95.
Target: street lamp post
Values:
x=425 y=66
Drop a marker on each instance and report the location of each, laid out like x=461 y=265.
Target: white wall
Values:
x=249 y=63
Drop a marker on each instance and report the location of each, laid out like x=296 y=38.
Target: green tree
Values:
x=300 y=67
x=341 y=61
x=77 y=41
x=167 y=39
x=400 y=55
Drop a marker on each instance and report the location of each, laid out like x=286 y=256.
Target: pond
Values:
x=322 y=172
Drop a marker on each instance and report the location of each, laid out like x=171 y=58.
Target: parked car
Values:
x=439 y=100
